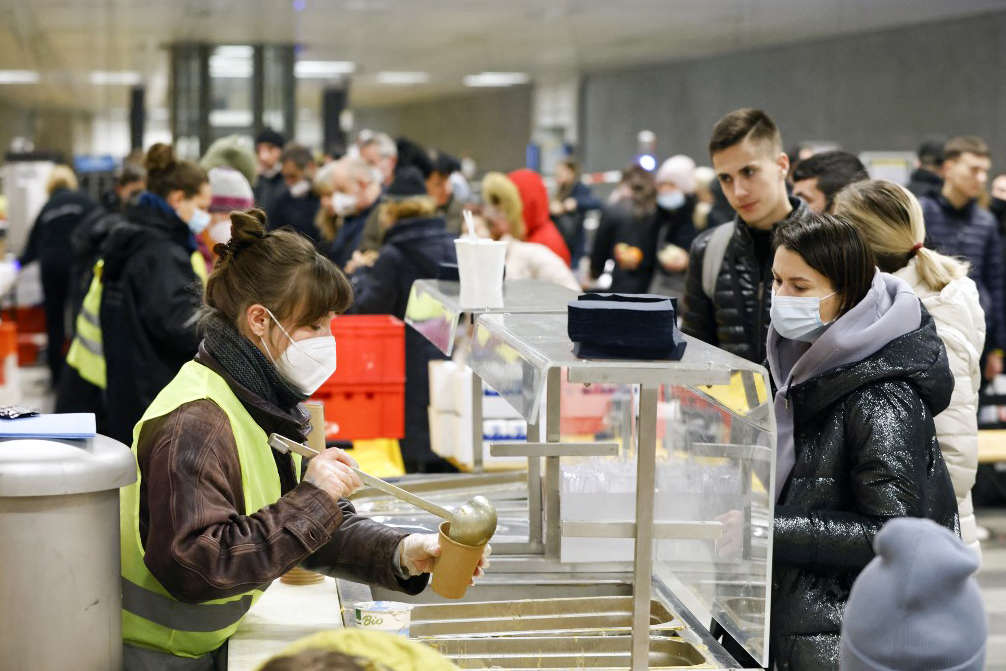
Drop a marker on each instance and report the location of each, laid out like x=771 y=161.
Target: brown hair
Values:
x=165 y=173
x=278 y=269
x=890 y=218
x=743 y=124
x=965 y=144
x=834 y=248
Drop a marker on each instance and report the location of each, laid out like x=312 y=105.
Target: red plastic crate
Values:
x=27 y=319
x=371 y=350
x=358 y=411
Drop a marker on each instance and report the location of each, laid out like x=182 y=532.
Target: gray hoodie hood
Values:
x=888 y=311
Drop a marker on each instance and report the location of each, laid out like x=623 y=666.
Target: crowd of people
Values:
x=879 y=309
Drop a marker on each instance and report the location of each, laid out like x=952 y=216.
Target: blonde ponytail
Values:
x=890 y=218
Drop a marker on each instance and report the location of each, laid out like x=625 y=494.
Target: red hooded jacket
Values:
x=539 y=226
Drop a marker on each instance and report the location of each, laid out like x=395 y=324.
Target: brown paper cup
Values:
x=316 y=439
x=454 y=568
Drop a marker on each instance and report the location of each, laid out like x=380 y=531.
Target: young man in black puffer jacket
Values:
x=729 y=307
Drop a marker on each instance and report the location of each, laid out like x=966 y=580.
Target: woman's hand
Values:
x=419 y=552
x=332 y=472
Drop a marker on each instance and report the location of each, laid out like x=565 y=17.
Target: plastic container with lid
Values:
x=59 y=552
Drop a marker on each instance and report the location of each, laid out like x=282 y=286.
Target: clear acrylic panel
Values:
x=715 y=462
x=434 y=307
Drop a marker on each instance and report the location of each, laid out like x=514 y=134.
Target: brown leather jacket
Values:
x=199 y=541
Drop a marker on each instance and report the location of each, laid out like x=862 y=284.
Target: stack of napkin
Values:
x=625 y=326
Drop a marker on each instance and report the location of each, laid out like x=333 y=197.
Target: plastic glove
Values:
x=418 y=552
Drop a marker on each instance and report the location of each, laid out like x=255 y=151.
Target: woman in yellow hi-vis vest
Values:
x=216 y=514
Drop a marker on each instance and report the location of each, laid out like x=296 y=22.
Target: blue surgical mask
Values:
x=671 y=201
x=199 y=220
x=798 y=318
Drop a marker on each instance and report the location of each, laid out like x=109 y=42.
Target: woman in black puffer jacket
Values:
x=860 y=373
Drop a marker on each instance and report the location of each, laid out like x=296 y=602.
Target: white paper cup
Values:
x=480 y=268
x=390 y=616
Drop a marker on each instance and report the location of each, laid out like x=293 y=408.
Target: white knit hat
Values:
x=231 y=191
x=678 y=170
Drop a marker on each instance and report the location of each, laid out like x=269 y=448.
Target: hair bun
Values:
x=247 y=228
x=159 y=157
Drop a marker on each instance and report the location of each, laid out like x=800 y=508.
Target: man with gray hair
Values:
x=349 y=193
x=380 y=151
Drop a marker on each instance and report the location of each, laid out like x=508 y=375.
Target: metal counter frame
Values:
x=522 y=358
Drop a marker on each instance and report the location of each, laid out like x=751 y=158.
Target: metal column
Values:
x=646 y=467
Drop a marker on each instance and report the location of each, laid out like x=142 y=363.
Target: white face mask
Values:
x=798 y=318
x=199 y=220
x=300 y=189
x=307 y=363
x=671 y=201
x=221 y=231
x=343 y=204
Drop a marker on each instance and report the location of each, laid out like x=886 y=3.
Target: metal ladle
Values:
x=473 y=524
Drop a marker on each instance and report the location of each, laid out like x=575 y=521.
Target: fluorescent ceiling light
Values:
x=123 y=78
x=18 y=77
x=402 y=78
x=497 y=79
x=322 y=69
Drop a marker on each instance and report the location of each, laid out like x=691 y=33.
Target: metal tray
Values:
x=572 y=616
x=562 y=652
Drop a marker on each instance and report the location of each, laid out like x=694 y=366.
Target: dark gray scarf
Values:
x=247 y=364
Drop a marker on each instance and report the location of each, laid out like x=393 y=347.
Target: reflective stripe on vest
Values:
x=86 y=354
x=199 y=267
x=151 y=617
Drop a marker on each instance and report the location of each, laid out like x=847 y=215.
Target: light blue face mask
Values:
x=671 y=201
x=798 y=318
x=199 y=220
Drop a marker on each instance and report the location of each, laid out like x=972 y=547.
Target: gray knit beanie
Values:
x=916 y=605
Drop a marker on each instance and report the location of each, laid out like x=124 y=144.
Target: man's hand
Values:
x=674 y=259
x=332 y=472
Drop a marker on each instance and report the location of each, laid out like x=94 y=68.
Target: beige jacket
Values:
x=533 y=261
x=960 y=321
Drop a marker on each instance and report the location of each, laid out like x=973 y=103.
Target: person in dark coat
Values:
x=151 y=290
x=860 y=372
x=956 y=225
x=927 y=180
x=268 y=149
x=573 y=199
x=746 y=151
x=297 y=207
x=415 y=244
x=627 y=234
x=49 y=244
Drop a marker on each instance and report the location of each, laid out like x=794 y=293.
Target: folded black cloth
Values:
x=625 y=326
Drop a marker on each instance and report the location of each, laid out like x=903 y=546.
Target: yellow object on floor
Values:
x=381 y=457
x=390 y=651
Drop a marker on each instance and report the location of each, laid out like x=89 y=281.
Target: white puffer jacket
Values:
x=533 y=261
x=960 y=321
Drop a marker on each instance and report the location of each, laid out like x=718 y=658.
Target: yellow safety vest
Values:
x=152 y=618
x=87 y=353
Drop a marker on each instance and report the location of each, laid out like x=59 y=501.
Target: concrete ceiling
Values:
x=65 y=40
